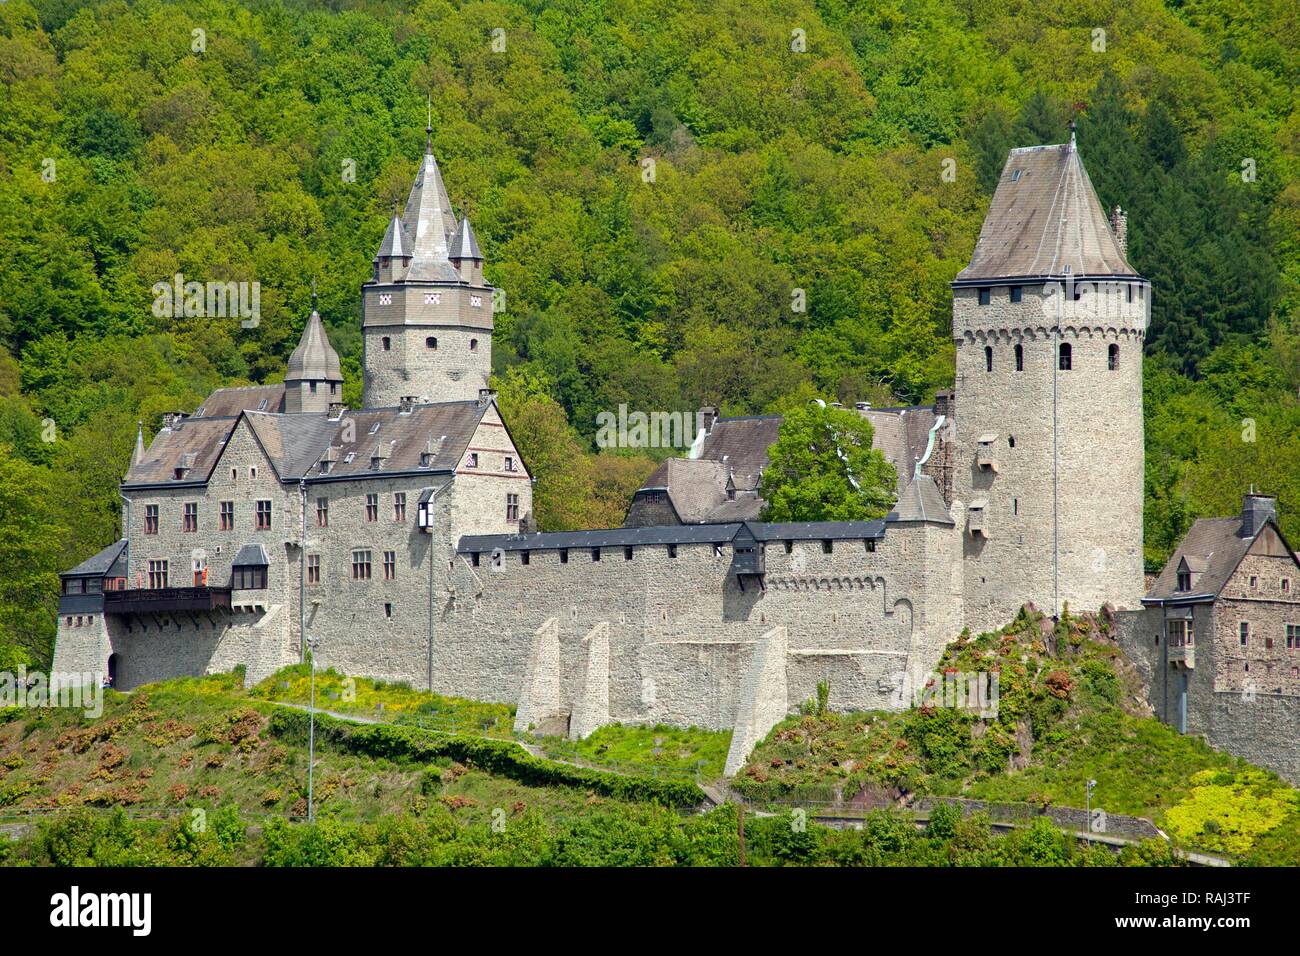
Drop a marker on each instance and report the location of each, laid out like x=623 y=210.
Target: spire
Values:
x=393 y=245
x=314 y=359
x=465 y=244
x=428 y=127
x=139 y=444
x=428 y=223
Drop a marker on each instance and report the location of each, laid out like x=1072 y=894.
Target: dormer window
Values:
x=1184 y=580
x=1015 y=175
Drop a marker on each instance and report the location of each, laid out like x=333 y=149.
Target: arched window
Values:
x=1112 y=358
x=988 y=358
x=431 y=343
x=1020 y=358
x=388 y=343
x=473 y=345
x=1011 y=441
x=1066 y=362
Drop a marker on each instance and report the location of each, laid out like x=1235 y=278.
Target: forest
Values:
x=747 y=203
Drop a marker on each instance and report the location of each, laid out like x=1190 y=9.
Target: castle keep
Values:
x=393 y=537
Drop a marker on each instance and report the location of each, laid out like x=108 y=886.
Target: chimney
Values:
x=404 y=404
x=336 y=411
x=1255 y=511
x=172 y=419
x=1119 y=226
x=707 y=416
x=943 y=403
x=486 y=395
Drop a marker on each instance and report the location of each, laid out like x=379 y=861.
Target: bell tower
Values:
x=426 y=313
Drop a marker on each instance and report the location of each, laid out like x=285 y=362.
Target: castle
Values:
x=393 y=539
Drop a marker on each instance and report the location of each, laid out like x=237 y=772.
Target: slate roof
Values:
x=465 y=243
x=429 y=225
x=1045 y=217
x=742 y=442
x=1213 y=543
x=294 y=443
x=229 y=402
x=921 y=501
x=404 y=437
x=194 y=442
x=394 y=243
x=672 y=534
x=902 y=435
x=102 y=564
x=250 y=554
x=314 y=358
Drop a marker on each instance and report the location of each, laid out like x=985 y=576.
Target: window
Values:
x=672 y=551
x=248 y=577
x=1180 y=635
x=984 y=296
x=474 y=558
x=1244 y=630
x=1128 y=292
x=372 y=507
x=1016 y=293
x=1015 y=506
x=1286 y=585
x=431 y=342
x=263 y=515
x=828 y=546
x=564 y=555
x=789 y=546
x=387 y=343
x=1254 y=583
x=1066 y=361
x=473 y=345
x=388 y=609
x=510 y=463
x=399 y=506
x=312 y=389
x=190 y=517
x=1020 y=358
x=150 y=519
x=360 y=565
x=988 y=358
x=313 y=569
x=252 y=471
x=525 y=557
x=322 y=512
x=595 y=554
x=1112 y=357
x=227 y=516
x=1293 y=637
x=1011 y=441
x=234 y=474
x=390 y=565
x=1184 y=580
x=157 y=574
x=512 y=507
x=471 y=460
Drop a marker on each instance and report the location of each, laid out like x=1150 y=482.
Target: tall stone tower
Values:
x=426 y=313
x=313 y=380
x=1049 y=321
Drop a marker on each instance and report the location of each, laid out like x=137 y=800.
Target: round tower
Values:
x=427 y=310
x=1049 y=321
x=313 y=380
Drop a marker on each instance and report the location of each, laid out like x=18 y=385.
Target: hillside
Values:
x=745 y=205
x=1070 y=710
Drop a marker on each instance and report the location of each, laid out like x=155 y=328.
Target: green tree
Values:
x=823 y=468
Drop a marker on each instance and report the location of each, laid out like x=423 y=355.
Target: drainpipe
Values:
x=432 y=500
x=302 y=575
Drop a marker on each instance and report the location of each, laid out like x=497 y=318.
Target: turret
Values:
x=313 y=379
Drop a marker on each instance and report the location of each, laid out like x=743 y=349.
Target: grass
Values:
x=671 y=751
x=382 y=700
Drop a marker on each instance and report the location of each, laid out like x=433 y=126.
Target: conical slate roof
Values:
x=1045 y=220
x=429 y=224
x=314 y=359
x=394 y=241
x=921 y=501
x=465 y=244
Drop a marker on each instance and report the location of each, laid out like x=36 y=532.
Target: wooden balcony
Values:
x=160 y=600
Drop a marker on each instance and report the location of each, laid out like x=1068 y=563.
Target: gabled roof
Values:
x=404 y=435
x=229 y=402
x=1212 y=548
x=1044 y=218
x=192 y=443
x=294 y=443
x=742 y=443
x=102 y=564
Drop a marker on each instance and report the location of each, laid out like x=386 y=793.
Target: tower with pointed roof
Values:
x=427 y=310
x=1049 y=320
x=313 y=380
